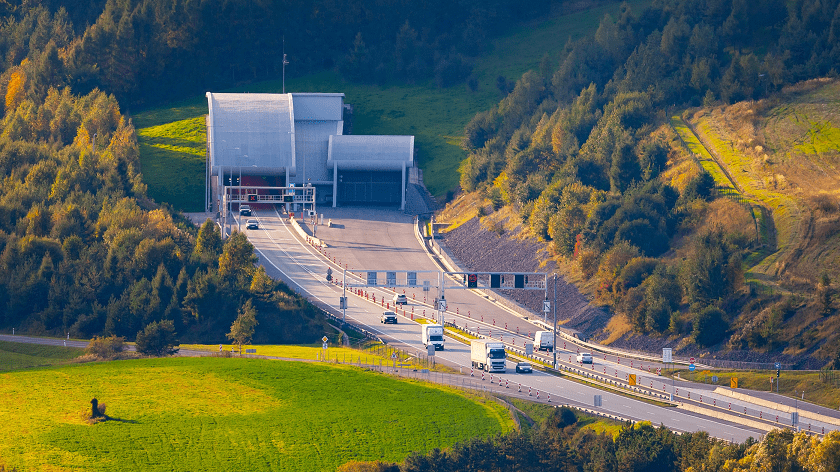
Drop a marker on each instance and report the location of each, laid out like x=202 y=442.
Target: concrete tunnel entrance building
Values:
x=297 y=138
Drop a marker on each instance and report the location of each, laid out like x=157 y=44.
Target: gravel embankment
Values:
x=485 y=251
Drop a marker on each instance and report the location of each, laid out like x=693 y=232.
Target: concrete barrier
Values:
x=778 y=406
x=310 y=239
x=727 y=417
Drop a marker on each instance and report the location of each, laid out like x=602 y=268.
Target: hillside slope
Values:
x=775 y=168
x=784 y=154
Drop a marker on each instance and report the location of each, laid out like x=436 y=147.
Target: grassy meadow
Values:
x=16 y=356
x=228 y=414
x=172 y=137
x=374 y=353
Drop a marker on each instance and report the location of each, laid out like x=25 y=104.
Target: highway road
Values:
x=285 y=256
x=363 y=238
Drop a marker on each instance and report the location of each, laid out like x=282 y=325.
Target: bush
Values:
x=106 y=348
x=588 y=262
x=700 y=187
x=658 y=315
x=157 y=339
x=710 y=326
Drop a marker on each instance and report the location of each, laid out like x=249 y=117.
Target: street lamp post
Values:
x=554 y=345
x=344 y=305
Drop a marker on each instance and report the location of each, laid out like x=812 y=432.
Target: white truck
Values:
x=487 y=355
x=544 y=341
x=432 y=334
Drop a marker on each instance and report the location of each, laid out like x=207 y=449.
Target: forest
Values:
x=573 y=146
x=561 y=443
x=579 y=150
x=83 y=250
x=151 y=51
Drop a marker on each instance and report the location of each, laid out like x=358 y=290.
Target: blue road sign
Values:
x=691 y=367
x=778 y=365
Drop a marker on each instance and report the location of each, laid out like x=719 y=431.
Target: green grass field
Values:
x=707 y=162
x=16 y=356
x=228 y=414
x=373 y=354
x=172 y=157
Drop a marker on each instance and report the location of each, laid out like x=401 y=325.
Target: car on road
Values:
x=252 y=224
x=400 y=299
x=523 y=368
x=584 y=358
x=388 y=317
x=244 y=210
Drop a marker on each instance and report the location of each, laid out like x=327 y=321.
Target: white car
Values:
x=400 y=299
x=584 y=358
x=252 y=224
x=388 y=317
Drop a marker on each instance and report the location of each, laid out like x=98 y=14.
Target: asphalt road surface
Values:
x=285 y=256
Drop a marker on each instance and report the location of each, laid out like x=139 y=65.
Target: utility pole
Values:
x=285 y=62
x=344 y=305
x=554 y=345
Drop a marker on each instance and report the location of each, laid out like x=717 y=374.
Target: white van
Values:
x=544 y=341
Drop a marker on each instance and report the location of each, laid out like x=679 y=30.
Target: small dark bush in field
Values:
x=157 y=339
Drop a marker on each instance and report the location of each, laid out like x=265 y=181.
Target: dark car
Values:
x=252 y=224
x=523 y=367
x=244 y=210
x=388 y=317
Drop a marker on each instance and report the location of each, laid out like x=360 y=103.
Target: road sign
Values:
x=325 y=339
x=632 y=379
x=546 y=306
x=778 y=365
x=659 y=371
x=733 y=382
x=667 y=355
x=472 y=280
x=691 y=360
x=691 y=367
x=442 y=304
x=324 y=345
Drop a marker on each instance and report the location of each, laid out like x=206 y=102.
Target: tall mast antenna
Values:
x=284 y=63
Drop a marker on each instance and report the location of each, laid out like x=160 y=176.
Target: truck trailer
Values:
x=487 y=355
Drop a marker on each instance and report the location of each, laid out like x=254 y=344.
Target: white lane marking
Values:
x=291 y=279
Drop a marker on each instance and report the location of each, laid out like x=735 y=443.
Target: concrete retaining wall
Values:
x=778 y=406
